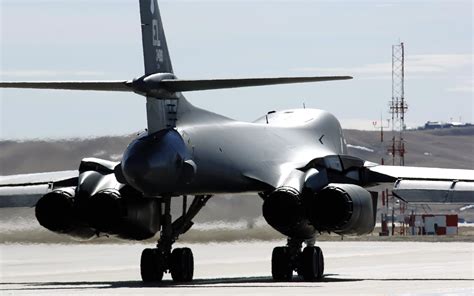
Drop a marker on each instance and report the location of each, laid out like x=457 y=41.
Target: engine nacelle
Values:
x=343 y=209
x=128 y=217
x=99 y=205
x=56 y=212
x=104 y=211
x=283 y=209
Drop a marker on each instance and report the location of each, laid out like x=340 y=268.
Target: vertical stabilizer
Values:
x=155 y=50
x=161 y=112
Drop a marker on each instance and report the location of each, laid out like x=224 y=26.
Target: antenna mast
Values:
x=398 y=106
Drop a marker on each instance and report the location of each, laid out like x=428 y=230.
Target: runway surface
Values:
x=365 y=268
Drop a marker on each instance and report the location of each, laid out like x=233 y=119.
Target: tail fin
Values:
x=155 y=50
x=161 y=113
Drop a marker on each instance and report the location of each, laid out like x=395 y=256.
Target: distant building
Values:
x=438 y=125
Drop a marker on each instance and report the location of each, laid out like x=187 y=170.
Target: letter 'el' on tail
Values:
x=155 y=49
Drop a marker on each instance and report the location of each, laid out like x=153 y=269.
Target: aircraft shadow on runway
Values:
x=237 y=282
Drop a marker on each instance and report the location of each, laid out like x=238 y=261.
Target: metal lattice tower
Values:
x=398 y=106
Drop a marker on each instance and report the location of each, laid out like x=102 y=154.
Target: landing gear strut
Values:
x=309 y=262
x=179 y=262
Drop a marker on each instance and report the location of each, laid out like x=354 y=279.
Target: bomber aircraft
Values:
x=296 y=160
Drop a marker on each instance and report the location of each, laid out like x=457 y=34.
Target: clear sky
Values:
x=100 y=40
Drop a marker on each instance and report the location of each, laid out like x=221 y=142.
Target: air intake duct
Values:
x=55 y=211
x=343 y=209
x=127 y=217
x=283 y=210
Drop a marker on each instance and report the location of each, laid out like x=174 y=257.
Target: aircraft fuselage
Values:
x=232 y=156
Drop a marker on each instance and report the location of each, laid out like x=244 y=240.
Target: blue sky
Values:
x=100 y=40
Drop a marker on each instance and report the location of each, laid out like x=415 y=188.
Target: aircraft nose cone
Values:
x=158 y=163
x=135 y=164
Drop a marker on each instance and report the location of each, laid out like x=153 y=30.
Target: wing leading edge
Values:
x=24 y=180
x=26 y=189
x=426 y=185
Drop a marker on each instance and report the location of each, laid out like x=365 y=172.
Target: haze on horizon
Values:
x=100 y=40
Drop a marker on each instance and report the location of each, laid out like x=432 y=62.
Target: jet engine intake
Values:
x=55 y=211
x=343 y=209
x=99 y=204
x=133 y=218
x=105 y=210
x=283 y=210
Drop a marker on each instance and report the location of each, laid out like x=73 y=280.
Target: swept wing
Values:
x=426 y=185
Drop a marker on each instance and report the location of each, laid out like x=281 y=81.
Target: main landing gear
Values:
x=308 y=263
x=179 y=262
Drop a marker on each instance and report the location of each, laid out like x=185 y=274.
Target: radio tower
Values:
x=398 y=106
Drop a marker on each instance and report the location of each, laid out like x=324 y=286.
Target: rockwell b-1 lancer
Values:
x=295 y=159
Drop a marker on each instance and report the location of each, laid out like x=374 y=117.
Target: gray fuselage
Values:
x=233 y=156
x=229 y=156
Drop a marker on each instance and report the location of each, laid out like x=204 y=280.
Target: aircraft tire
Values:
x=320 y=263
x=182 y=265
x=309 y=264
x=151 y=266
x=281 y=264
x=312 y=264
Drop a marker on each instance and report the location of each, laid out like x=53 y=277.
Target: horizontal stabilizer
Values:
x=71 y=85
x=147 y=86
x=208 y=84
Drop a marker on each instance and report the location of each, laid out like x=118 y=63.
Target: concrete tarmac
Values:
x=240 y=268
